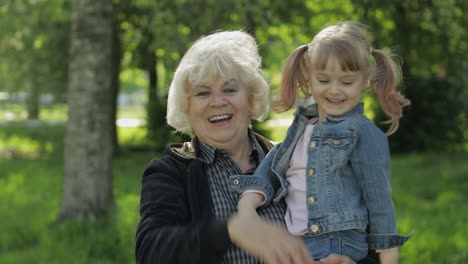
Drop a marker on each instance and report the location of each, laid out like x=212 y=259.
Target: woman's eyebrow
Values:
x=201 y=86
x=233 y=81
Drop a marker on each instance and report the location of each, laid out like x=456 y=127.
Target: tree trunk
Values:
x=115 y=84
x=33 y=99
x=88 y=145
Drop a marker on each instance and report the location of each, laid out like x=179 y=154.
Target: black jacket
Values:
x=176 y=224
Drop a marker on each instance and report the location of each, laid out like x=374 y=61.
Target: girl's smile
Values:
x=336 y=91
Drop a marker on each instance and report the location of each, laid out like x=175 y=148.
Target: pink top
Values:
x=296 y=213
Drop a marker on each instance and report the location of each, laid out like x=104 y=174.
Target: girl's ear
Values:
x=365 y=83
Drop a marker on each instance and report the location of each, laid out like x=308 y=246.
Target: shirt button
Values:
x=336 y=141
x=311 y=200
x=314 y=228
x=235 y=182
x=312 y=144
x=311 y=172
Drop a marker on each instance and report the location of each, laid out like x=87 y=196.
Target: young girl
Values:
x=334 y=165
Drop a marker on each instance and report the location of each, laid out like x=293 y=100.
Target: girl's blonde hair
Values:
x=352 y=46
x=223 y=54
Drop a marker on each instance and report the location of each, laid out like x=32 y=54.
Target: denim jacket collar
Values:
x=312 y=111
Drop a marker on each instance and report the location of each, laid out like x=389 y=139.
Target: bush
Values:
x=436 y=119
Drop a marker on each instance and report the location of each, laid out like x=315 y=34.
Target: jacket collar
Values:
x=312 y=111
x=189 y=150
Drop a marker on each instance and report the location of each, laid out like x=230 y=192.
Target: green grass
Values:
x=430 y=193
x=31 y=190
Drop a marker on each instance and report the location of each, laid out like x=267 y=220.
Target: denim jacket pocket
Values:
x=338 y=148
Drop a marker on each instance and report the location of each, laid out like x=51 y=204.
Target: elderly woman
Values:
x=188 y=213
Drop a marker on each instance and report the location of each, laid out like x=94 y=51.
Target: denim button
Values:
x=314 y=228
x=235 y=182
x=336 y=141
x=311 y=200
x=312 y=144
x=311 y=172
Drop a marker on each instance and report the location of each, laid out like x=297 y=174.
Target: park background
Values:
x=82 y=111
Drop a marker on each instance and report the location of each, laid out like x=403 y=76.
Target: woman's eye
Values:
x=202 y=94
x=230 y=90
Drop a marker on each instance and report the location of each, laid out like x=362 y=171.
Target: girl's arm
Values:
x=370 y=161
x=262 y=181
x=250 y=201
x=389 y=256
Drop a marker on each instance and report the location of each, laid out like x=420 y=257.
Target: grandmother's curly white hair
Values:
x=221 y=54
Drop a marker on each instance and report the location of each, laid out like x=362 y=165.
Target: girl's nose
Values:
x=334 y=87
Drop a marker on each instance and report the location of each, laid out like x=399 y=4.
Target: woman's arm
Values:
x=266 y=241
x=167 y=232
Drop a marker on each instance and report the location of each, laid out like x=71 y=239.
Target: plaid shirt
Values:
x=219 y=167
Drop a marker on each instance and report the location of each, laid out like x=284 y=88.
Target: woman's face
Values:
x=219 y=113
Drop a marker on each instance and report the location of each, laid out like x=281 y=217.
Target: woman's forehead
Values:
x=220 y=80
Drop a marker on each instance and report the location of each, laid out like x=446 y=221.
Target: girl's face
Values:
x=219 y=113
x=336 y=91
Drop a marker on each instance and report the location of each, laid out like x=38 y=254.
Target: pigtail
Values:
x=384 y=83
x=295 y=75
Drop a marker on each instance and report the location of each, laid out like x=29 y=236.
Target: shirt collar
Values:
x=208 y=154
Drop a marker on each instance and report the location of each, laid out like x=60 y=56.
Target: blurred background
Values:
x=83 y=88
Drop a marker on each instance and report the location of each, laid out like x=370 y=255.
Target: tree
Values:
x=33 y=47
x=88 y=146
x=434 y=75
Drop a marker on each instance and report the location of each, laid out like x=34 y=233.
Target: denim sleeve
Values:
x=370 y=161
x=263 y=179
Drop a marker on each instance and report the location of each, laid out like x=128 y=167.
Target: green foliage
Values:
x=430 y=197
x=436 y=120
x=34 y=45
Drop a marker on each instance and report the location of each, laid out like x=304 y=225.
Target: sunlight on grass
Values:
x=16 y=146
x=56 y=112
x=132 y=136
x=138 y=112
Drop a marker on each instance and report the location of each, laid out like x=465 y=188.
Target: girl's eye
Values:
x=348 y=83
x=323 y=81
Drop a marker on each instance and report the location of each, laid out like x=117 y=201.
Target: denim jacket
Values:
x=347 y=176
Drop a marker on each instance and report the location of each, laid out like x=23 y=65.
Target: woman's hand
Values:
x=266 y=241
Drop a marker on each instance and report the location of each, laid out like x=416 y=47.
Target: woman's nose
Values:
x=218 y=100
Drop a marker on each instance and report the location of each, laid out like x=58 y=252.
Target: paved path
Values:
x=123 y=122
